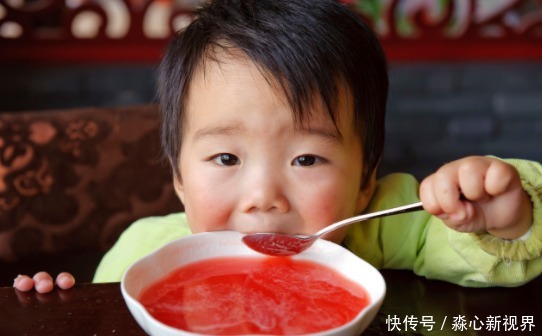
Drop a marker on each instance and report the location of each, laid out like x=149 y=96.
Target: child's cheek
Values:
x=324 y=209
x=331 y=208
x=208 y=210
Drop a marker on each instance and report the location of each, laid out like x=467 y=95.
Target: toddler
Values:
x=273 y=121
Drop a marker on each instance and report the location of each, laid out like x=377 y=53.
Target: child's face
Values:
x=245 y=166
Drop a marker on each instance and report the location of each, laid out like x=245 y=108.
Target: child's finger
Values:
x=462 y=220
x=65 y=280
x=471 y=179
x=43 y=283
x=23 y=283
x=500 y=176
x=446 y=190
x=428 y=198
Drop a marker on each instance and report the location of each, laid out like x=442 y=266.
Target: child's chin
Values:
x=336 y=236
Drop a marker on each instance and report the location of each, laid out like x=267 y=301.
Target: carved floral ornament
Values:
x=151 y=22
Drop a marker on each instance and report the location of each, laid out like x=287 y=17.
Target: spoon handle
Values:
x=393 y=211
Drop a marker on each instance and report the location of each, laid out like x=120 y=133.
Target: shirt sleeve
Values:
x=423 y=243
x=139 y=239
x=531 y=246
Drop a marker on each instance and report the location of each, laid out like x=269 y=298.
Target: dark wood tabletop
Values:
x=413 y=306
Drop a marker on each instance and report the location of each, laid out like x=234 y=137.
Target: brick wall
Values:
x=440 y=112
x=437 y=112
x=45 y=87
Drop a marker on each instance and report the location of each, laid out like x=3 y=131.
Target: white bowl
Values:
x=161 y=262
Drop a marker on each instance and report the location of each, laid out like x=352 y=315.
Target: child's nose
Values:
x=264 y=191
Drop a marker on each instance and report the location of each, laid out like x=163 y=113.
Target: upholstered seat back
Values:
x=73 y=180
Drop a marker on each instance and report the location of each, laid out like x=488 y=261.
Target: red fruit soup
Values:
x=242 y=295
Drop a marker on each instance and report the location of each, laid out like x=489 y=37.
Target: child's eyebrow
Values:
x=332 y=135
x=216 y=131
x=328 y=134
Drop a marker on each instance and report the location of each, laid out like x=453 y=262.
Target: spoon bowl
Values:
x=279 y=244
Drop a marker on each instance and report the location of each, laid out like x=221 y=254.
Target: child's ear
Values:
x=179 y=187
x=366 y=193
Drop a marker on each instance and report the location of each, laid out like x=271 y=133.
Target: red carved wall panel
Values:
x=137 y=30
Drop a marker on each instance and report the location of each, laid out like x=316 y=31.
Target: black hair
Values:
x=308 y=47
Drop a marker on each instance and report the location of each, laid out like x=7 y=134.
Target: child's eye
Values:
x=307 y=160
x=225 y=159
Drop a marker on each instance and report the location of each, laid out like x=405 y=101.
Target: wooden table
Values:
x=413 y=305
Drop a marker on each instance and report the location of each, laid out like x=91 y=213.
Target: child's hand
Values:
x=496 y=202
x=43 y=282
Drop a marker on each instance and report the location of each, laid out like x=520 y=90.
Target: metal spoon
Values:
x=278 y=244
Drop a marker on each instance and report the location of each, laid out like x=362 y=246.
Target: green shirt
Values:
x=416 y=241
